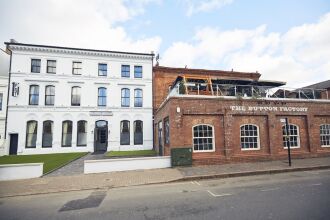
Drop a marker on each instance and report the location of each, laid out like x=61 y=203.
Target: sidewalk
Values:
x=52 y=184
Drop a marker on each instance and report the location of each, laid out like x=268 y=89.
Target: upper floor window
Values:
x=249 y=137
x=47 y=134
x=325 y=135
x=1 y=97
x=137 y=71
x=34 y=95
x=124 y=133
x=66 y=133
x=103 y=69
x=293 y=136
x=35 y=65
x=51 y=66
x=31 y=134
x=75 y=96
x=203 y=139
x=138 y=98
x=102 y=97
x=49 y=95
x=125 y=70
x=125 y=97
x=82 y=133
x=138 y=132
x=76 y=68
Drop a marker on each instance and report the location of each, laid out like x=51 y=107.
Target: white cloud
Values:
x=196 y=6
x=300 y=56
x=77 y=23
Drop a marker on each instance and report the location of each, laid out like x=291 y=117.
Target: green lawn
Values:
x=51 y=161
x=131 y=153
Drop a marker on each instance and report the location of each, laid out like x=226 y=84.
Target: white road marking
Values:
x=197 y=183
x=316 y=184
x=270 y=189
x=217 y=195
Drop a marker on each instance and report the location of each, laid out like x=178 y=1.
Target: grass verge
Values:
x=138 y=153
x=51 y=161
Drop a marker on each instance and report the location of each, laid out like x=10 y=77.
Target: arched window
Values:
x=249 y=137
x=31 y=134
x=34 y=95
x=138 y=98
x=49 y=95
x=47 y=134
x=124 y=133
x=325 y=135
x=75 y=96
x=293 y=136
x=82 y=133
x=138 y=132
x=125 y=97
x=66 y=133
x=203 y=138
x=102 y=97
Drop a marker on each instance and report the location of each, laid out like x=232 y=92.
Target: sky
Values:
x=284 y=40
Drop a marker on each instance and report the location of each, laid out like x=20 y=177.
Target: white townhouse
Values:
x=4 y=67
x=73 y=100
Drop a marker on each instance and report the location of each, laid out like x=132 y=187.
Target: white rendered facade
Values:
x=64 y=106
x=4 y=67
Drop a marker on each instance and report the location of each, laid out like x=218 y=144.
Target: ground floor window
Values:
x=249 y=137
x=124 y=132
x=47 y=134
x=138 y=132
x=167 y=130
x=66 y=133
x=31 y=134
x=325 y=135
x=293 y=136
x=203 y=139
x=82 y=133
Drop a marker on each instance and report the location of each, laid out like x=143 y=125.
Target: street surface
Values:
x=296 y=195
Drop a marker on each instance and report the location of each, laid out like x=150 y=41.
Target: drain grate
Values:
x=92 y=201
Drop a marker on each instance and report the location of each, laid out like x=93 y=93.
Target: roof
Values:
x=320 y=85
x=74 y=48
x=206 y=72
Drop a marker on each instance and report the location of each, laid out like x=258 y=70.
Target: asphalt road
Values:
x=298 y=195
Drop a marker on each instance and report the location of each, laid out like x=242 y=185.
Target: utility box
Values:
x=181 y=156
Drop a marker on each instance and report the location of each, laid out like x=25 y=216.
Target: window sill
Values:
x=325 y=146
x=203 y=151
x=250 y=149
x=291 y=147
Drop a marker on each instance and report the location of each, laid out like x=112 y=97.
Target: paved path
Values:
x=51 y=184
x=76 y=167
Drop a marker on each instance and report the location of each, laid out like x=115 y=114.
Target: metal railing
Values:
x=251 y=91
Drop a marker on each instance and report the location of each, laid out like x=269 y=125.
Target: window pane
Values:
x=124 y=133
x=103 y=69
x=31 y=134
x=47 y=135
x=203 y=138
x=137 y=71
x=66 y=134
x=81 y=133
x=125 y=71
x=138 y=132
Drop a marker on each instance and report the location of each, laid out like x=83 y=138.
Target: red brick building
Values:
x=227 y=116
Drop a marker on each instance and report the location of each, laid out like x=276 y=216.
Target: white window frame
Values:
x=324 y=134
x=298 y=135
x=213 y=139
x=258 y=138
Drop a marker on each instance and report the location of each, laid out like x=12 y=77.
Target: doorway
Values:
x=13 y=144
x=101 y=136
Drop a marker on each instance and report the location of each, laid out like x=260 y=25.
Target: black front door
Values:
x=160 y=138
x=13 y=144
x=101 y=136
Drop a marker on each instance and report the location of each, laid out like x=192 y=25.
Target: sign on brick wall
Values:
x=268 y=108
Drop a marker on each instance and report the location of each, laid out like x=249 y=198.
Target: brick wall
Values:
x=226 y=122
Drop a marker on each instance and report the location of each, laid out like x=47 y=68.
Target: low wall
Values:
x=123 y=164
x=20 y=171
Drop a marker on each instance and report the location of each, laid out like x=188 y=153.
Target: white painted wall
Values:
x=20 y=171
x=4 y=70
x=113 y=165
x=19 y=111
